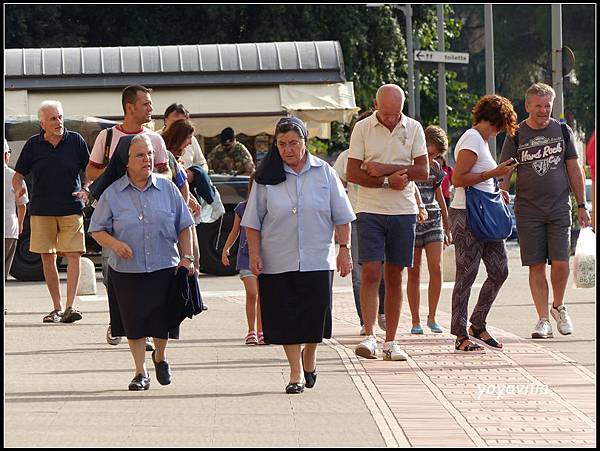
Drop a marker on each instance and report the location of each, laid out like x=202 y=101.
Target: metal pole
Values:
x=557 y=69
x=490 y=83
x=441 y=70
x=417 y=90
x=411 y=64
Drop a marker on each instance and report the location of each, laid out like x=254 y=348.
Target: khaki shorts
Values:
x=57 y=234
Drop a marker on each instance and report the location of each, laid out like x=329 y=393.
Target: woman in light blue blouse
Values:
x=295 y=206
x=145 y=221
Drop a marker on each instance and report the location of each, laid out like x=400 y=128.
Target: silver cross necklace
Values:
x=295 y=204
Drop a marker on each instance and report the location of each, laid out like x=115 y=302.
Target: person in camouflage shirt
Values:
x=231 y=156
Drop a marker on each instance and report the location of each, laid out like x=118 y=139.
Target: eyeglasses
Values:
x=292 y=144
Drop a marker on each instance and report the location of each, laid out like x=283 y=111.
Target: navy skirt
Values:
x=139 y=303
x=296 y=306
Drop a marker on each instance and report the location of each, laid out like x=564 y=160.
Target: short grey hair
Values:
x=141 y=137
x=48 y=104
x=540 y=90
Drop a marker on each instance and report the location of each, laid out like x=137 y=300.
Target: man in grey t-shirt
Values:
x=548 y=166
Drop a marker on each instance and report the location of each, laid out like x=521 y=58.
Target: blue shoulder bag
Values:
x=488 y=216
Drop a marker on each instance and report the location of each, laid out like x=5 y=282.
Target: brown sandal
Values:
x=53 y=317
x=472 y=347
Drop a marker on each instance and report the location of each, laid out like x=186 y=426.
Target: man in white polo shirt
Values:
x=387 y=152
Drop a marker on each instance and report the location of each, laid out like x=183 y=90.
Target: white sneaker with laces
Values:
x=563 y=320
x=543 y=329
x=381 y=321
x=367 y=348
x=391 y=351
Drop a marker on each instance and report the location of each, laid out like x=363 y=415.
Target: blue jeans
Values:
x=357 y=274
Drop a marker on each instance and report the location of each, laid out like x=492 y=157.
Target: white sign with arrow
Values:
x=441 y=57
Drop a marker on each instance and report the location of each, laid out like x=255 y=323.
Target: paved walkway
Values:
x=64 y=386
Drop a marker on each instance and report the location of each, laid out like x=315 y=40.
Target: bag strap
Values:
x=107 y=143
x=565 y=133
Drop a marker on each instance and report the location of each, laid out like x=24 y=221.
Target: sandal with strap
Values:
x=53 y=317
x=261 y=339
x=471 y=347
x=491 y=342
x=251 y=338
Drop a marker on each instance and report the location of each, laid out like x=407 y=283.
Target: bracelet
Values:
x=581 y=206
x=188 y=257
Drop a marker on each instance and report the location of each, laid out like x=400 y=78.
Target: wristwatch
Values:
x=421 y=206
x=581 y=206
x=347 y=246
x=386 y=182
x=188 y=257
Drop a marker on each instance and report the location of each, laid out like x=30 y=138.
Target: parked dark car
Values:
x=27 y=266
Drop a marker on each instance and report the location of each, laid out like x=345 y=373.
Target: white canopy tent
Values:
x=244 y=86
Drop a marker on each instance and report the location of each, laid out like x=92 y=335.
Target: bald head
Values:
x=390 y=92
x=389 y=102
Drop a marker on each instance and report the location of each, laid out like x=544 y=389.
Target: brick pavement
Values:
x=442 y=398
x=226 y=394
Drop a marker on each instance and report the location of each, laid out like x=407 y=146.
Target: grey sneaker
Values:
x=367 y=348
x=110 y=339
x=563 y=320
x=543 y=329
x=391 y=351
x=381 y=321
x=71 y=315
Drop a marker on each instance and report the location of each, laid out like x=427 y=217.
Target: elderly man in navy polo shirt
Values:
x=55 y=158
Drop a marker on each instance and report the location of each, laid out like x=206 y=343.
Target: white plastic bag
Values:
x=584 y=262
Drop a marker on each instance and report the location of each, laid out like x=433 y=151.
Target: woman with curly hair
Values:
x=476 y=166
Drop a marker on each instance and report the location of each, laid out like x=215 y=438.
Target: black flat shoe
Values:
x=310 y=378
x=163 y=372
x=291 y=389
x=140 y=382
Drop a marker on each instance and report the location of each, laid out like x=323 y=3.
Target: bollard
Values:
x=449 y=265
x=87 y=277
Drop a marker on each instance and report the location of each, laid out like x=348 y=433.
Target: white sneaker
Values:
x=391 y=351
x=381 y=321
x=110 y=339
x=543 y=329
x=149 y=344
x=367 y=348
x=363 y=331
x=563 y=320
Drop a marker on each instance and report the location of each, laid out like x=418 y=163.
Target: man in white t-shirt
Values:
x=14 y=213
x=387 y=152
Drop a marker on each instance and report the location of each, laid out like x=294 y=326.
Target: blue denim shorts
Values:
x=246 y=273
x=389 y=238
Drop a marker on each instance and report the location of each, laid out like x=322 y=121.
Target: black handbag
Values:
x=488 y=216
